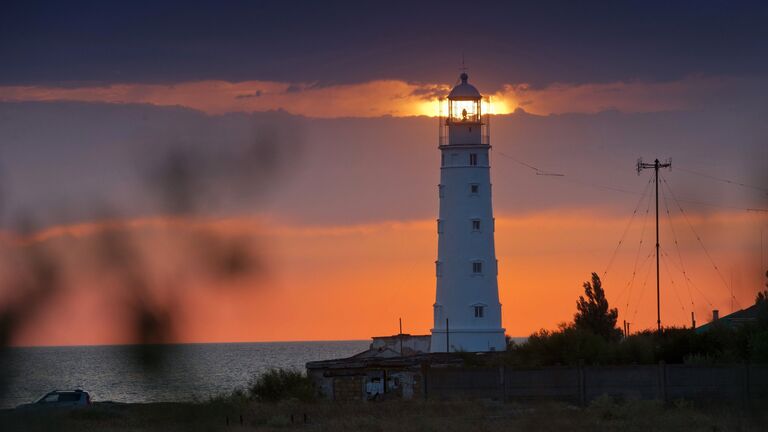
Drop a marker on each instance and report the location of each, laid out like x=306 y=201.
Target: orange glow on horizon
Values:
x=322 y=278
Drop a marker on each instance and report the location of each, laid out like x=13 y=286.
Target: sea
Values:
x=184 y=372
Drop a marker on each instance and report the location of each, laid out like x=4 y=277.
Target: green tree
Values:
x=594 y=314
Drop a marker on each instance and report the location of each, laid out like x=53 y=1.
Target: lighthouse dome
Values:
x=464 y=90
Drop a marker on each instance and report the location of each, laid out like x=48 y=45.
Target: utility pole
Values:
x=731 y=291
x=447 y=337
x=761 y=269
x=656 y=165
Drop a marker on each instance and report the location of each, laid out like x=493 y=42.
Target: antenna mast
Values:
x=656 y=165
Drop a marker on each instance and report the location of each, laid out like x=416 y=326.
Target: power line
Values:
x=672 y=282
x=708 y=204
x=529 y=166
x=570 y=179
x=599 y=186
x=724 y=180
x=565 y=178
x=626 y=229
x=642 y=290
x=631 y=283
x=696 y=234
x=628 y=287
x=687 y=278
x=677 y=247
x=640 y=270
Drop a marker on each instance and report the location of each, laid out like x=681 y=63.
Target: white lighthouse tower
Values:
x=467 y=311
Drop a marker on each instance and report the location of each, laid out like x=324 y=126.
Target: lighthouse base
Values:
x=469 y=340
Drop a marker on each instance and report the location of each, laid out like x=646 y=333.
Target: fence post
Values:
x=424 y=379
x=582 y=384
x=662 y=381
x=503 y=382
x=747 y=390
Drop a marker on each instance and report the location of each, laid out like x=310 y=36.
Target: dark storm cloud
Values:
x=340 y=42
x=257 y=93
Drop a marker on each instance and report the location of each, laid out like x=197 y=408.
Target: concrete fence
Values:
x=581 y=384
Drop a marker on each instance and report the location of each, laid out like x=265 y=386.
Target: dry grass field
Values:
x=603 y=414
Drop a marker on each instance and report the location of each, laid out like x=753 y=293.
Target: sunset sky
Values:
x=311 y=135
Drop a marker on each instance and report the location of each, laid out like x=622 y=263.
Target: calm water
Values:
x=194 y=370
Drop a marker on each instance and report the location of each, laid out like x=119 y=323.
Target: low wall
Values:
x=582 y=384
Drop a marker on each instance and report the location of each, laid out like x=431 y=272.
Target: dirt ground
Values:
x=603 y=414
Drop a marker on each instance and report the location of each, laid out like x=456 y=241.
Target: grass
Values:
x=604 y=414
x=281 y=384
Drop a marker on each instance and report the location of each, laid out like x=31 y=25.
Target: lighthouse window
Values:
x=477 y=267
x=438 y=268
x=476 y=225
x=479 y=311
x=441 y=189
x=473 y=159
x=474 y=189
x=440 y=226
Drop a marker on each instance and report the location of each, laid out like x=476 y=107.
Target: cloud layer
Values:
x=346 y=42
x=400 y=98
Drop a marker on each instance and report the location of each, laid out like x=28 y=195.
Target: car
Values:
x=61 y=399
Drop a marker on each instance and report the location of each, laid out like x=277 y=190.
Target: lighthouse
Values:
x=467 y=312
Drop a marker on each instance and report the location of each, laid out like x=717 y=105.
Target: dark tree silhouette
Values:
x=762 y=296
x=594 y=313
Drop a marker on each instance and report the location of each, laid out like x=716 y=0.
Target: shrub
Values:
x=591 y=339
x=238 y=396
x=280 y=384
x=593 y=313
x=604 y=407
x=566 y=346
x=759 y=344
x=635 y=349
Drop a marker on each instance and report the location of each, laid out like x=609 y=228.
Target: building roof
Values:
x=464 y=90
x=749 y=314
x=355 y=362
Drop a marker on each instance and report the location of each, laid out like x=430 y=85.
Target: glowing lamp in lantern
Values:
x=464 y=103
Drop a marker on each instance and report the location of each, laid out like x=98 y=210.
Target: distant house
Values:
x=367 y=377
x=736 y=319
x=398 y=345
x=391 y=367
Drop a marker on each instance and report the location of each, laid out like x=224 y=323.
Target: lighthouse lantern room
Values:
x=467 y=312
